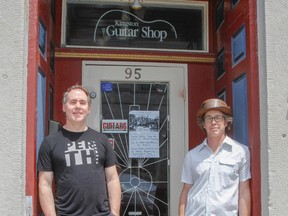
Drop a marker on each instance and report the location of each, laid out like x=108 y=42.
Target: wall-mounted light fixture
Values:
x=136 y=5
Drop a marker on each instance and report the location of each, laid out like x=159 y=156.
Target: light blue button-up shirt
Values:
x=215 y=178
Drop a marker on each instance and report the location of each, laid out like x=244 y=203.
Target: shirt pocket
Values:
x=229 y=170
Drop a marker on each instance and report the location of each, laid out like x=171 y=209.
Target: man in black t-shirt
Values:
x=82 y=162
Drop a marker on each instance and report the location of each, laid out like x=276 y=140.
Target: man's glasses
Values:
x=217 y=118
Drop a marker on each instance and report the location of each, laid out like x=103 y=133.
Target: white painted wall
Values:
x=13 y=73
x=273 y=59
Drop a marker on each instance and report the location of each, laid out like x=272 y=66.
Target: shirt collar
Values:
x=204 y=144
x=227 y=141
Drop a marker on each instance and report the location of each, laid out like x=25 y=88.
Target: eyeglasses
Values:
x=217 y=118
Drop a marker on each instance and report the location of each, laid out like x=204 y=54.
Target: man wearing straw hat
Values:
x=216 y=173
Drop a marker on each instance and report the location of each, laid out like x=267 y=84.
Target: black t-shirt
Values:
x=78 y=160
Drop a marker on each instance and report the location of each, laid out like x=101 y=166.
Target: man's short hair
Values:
x=65 y=95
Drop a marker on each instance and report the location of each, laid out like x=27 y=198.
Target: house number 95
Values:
x=133 y=73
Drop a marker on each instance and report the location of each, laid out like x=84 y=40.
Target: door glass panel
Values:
x=144 y=180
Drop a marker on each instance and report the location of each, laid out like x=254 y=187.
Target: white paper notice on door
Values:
x=144 y=134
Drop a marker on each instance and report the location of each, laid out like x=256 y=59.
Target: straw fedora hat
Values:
x=213 y=104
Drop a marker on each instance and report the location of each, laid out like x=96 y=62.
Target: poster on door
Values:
x=114 y=126
x=144 y=134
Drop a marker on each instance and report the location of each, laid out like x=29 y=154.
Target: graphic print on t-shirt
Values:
x=79 y=153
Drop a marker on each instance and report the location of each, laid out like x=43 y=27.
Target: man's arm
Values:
x=183 y=198
x=46 y=193
x=244 y=198
x=114 y=189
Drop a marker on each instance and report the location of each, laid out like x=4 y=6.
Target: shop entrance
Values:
x=142 y=108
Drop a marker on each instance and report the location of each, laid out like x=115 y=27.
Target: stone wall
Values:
x=273 y=71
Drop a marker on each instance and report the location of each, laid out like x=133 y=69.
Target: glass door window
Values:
x=143 y=151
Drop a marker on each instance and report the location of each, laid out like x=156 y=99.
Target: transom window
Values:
x=175 y=26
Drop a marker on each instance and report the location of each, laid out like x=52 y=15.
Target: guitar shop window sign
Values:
x=131 y=28
x=114 y=126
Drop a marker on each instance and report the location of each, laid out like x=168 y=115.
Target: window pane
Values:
x=42 y=38
x=220 y=64
x=41 y=104
x=52 y=53
x=240 y=111
x=151 y=27
x=233 y=3
x=144 y=179
x=220 y=14
x=222 y=94
x=238 y=46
